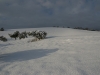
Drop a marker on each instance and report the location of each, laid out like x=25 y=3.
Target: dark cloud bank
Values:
x=44 y=13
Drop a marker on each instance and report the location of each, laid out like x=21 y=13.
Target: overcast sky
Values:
x=40 y=13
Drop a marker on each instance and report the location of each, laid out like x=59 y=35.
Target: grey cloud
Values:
x=37 y=13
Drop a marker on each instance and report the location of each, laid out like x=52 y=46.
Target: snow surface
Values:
x=65 y=51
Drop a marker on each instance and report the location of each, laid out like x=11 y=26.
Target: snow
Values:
x=65 y=51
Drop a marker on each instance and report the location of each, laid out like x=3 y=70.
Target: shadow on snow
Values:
x=50 y=37
x=26 y=55
x=1 y=45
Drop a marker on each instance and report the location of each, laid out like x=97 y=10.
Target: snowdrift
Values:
x=64 y=51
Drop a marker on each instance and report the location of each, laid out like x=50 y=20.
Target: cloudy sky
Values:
x=40 y=13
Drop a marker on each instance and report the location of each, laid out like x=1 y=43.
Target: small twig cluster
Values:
x=1 y=29
x=19 y=35
x=2 y=38
x=81 y=28
x=37 y=34
x=14 y=35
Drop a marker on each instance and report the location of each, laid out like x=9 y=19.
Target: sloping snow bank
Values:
x=64 y=52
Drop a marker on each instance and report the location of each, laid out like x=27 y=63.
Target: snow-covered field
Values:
x=65 y=51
